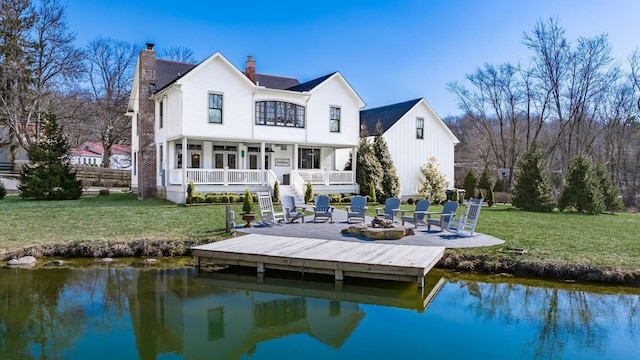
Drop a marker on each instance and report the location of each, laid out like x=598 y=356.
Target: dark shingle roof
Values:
x=309 y=85
x=168 y=71
x=276 y=82
x=387 y=115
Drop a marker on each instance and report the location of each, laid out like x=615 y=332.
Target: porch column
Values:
x=354 y=156
x=262 y=162
x=295 y=157
x=184 y=162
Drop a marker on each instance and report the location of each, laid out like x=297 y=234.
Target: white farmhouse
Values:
x=225 y=130
x=414 y=133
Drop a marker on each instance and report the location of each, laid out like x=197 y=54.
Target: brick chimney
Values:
x=147 y=187
x=251 y=69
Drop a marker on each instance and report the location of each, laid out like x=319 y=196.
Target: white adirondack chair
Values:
x=267 y=214
x=464 y=225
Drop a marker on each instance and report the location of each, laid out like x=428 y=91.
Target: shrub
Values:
x=581 y=190
x=190 y=191
x=490 y=197
x=432 y=182
x=372 y=192
x=531 y=190
x=247 y=202
x=609 y=191
x=485 y=182
x=276 y=192
x=308 y=194
x=346 y=197
x=469 y=184
x=3 y=190
x=198 y=197
x=410 y=201
x=335 y=198
x=456 y=195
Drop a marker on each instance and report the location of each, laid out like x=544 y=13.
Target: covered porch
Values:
x=228 y=166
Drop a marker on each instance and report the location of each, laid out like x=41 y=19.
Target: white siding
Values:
x=409 y=153
x=333 y=92
x=218 y=77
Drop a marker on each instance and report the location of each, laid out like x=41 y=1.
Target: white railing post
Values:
x=326 y=177
x=225 y=176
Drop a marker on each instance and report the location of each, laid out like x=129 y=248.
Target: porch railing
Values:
x=218 y=177
x=326 y=177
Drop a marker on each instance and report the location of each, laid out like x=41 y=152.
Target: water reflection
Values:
x=138 y=314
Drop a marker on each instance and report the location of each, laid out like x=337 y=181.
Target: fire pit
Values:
x=379 y=229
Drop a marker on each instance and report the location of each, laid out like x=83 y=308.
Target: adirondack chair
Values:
x=291 y=211
x=357 y=209
x=267 y=213
x=465 y=224
x=391 y=207
x=448 y=210
x=417 y=218
x=322 y=209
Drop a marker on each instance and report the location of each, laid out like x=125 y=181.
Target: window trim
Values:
x=331 y=119
x=161 y=115
x=209 y=108
x=277 y=113
x=420 y=126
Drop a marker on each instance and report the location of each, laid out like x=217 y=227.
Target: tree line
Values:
x=43 y=71
x=571 y=100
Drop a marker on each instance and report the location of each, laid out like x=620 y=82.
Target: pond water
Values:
x=129 y=313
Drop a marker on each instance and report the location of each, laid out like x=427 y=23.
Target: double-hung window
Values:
x=334 y=119
x=215 y=108
x=419 y=128
x=161 y=114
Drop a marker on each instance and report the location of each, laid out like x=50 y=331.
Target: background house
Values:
x=414 y=133
x=91 y=153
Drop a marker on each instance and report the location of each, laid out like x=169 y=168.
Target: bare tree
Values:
x=37 y=55
x=180 y=54
x=110 y=73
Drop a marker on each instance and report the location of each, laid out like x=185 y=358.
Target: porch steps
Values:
x=288 y=190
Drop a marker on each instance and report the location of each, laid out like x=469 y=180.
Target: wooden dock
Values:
x=339 y=258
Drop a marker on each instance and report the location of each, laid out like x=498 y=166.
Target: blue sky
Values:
x=390 y=51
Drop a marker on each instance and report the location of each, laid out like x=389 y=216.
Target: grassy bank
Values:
x=138 y=227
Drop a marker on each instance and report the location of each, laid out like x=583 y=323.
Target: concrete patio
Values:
x=332 y=231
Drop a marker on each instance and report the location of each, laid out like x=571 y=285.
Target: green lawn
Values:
x=600 y=240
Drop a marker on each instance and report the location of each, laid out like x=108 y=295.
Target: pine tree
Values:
x=531 y=190
x=49 y=175
x=432 y=182
x=308 y=193
x=485 y=182
x=469 y=184
x=608 y=189
x=581 y=190
x=368 y=168
x=276 y=191
x=247 y=202
x=390 y=179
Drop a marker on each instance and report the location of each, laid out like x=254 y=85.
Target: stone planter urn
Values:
x=248 y=217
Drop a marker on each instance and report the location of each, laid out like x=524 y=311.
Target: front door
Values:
x=222 y=159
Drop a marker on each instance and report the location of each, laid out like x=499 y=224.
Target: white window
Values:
x=334 y=119
x=215 y=108
x=419 y=128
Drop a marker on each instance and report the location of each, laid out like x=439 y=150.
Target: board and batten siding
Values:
x=409 y=153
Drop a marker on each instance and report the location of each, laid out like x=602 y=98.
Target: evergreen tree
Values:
x=3 y=190
x=582 y=188
x=276 y=191
x=308 y=193
x=485 y=182
x=531 y=190
x=469 y=184
x=49 y=175
x=432 y=182
x=390 y=179
x=608 y=189
x=368 y=168
x=247 y=202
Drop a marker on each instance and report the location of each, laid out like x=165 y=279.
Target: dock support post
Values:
x=260 y=268
x=339 y=275
x=421 y=282
x=196 y=261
